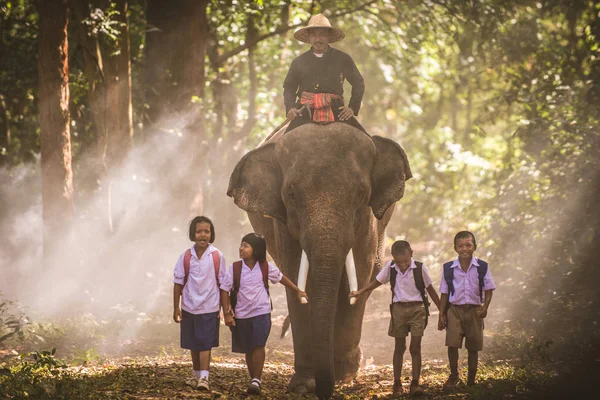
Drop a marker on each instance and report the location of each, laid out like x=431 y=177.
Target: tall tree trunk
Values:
x=4 y=123
x=118 y=78
x=57 y=176
x=191 y=81
x=175 y=71
x=119 y=126
x=162 y=45
x=189 y=69
x=94 y=72
x=251 y=35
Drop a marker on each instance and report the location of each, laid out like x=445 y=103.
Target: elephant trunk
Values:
x=325 y=273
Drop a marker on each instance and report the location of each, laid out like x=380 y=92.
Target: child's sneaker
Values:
x=254 y=387
x=203 y=384
x=192 y=381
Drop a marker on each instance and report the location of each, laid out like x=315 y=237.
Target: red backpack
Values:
x=186 y=264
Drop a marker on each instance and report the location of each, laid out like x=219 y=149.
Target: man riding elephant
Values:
x=316 y=79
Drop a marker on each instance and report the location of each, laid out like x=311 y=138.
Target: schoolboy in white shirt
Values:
x=409 y=309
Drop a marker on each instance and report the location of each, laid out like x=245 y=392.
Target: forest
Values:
x=121 y=120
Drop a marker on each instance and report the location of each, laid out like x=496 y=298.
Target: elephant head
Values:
x=323 y=183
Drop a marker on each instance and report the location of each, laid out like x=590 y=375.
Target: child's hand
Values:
x=442 y=322
x=302 y=295
x=483 y=313
x=177 y=315
x=229 y=321
x=354 y=293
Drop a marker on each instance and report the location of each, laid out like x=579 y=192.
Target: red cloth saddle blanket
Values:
x=321 y=105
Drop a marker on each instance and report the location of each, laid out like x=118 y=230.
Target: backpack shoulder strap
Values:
x=418 y=276
x=237 y=275
x=264 y=269
x=449 y=276
x=420 y=284
x=482 y=270
x=217 y=263
x=393 y=275
x=186 y=265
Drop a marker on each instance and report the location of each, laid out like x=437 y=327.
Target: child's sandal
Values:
x=254 y=387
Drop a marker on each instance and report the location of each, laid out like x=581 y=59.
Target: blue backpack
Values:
x=449 y=276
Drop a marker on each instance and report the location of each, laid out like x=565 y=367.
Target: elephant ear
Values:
x=255 y=183
x=389 y=173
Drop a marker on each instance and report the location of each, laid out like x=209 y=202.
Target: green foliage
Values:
x=18 y=82
x=86 y=356
x=33 y=376
x=102 y=23
x=12 y=320
x=42 y=360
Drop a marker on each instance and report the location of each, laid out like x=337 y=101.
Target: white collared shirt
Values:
x=466 y=284
x=405 y=288
x=200 y=294
x=252 y=297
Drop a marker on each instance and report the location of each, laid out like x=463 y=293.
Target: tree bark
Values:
x=159 y=51
x=94 y=72
x=57 y=175
x=176 y=45
x=118 y=77
x=5 y=123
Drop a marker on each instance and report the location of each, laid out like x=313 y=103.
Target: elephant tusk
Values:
x=351 y=272
x=303 y=275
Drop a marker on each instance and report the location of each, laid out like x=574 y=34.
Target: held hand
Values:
x=177 y=315
x=302 y=296
x=293 y=113
x=229 y=321
x=346 y=113
x=442 y=322
x=483 y=313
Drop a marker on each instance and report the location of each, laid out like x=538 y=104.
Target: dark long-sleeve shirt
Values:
x=323 y=75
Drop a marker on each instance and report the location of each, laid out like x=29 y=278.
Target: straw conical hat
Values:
x=319 y=21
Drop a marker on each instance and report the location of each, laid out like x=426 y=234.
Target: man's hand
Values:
x=346 y=113
x=294 y=113
x=177 y=315
x=483 y=312
x=442 y=322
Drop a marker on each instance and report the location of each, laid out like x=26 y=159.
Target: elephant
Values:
x=320 y=193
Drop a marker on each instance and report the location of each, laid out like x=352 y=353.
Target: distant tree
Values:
x=55 y=140
x=103 y=33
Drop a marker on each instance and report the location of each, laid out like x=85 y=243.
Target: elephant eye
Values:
x=289 y=195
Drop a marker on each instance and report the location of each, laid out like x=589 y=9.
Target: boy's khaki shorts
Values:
x=464 y=321
x=407 y=317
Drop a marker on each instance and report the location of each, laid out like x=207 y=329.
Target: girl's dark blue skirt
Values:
x=250 y=333
x=199 y=332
